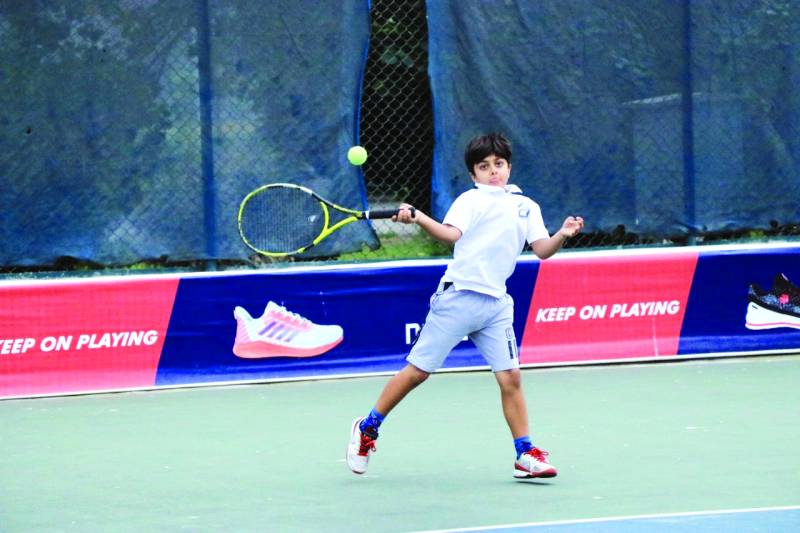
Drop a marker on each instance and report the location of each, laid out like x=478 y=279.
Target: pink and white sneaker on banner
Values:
x=281 y=333
x=533 y=464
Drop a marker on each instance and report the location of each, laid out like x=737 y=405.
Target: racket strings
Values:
x=281 y=220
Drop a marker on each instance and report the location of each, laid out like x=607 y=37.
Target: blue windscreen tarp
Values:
x=133 y=129
x=591 y=94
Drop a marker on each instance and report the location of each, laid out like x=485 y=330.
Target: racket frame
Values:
x=327 y=230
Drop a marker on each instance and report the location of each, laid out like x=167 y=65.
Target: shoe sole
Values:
x=540 y=475
x=347 y=450
x=760 y=318
x=263 y=350
x=522 y=473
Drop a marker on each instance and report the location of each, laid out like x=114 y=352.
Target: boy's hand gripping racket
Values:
x=282 y=219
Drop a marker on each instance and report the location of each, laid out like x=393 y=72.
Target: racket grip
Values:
x=387 y=213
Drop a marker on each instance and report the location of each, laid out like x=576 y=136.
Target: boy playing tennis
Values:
x=489 y=226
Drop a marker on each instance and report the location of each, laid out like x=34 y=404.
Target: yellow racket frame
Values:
x=327 y=229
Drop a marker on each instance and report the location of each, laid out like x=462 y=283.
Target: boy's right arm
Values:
x=441 y=232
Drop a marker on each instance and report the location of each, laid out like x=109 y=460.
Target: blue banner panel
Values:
x=735 y=302
x=378 y=310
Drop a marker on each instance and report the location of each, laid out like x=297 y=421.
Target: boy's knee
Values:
x=509 y=380
x=416 y=375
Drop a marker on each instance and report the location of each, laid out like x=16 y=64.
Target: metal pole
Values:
x=688 y=125
x=205 y=95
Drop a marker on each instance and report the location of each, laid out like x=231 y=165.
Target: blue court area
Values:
x=774 y=520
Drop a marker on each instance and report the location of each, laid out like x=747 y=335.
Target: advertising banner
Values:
x=62 y=337
x=597 y=308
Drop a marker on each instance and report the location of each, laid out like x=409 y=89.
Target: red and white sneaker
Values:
x=359 y=448
x=533 y=463
x=281 y=333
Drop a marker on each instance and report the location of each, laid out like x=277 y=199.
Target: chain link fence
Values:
x=711 y=144
x=397 y=125
x=721 y=81
x=94 y=99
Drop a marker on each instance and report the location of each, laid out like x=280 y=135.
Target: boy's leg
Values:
x=513 y=399
x=531 y=461
x=396 y=389
x=497 y=342
x=515 y=409
x=443 y=329
x=364 y=431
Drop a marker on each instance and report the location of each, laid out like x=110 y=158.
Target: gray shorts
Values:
x=486 y=320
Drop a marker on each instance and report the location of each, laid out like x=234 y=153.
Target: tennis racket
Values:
x=283 y=219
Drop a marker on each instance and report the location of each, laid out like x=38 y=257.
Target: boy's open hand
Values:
x=571 y=227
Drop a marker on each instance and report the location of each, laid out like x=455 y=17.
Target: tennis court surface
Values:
x=690 y=446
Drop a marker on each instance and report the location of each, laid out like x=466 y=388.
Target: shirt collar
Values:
x=509 y=188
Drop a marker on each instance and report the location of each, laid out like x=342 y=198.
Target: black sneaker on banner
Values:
x=778 y=308
x=782 y=285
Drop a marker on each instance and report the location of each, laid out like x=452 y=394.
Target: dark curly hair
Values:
x=483 y=146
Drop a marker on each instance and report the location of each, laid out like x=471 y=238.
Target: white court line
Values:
x=617 y=519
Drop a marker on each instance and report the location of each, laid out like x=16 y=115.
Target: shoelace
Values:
x=367 y=445
x=536 y=453
x=301 y=320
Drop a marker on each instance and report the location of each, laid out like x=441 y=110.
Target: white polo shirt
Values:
x=495 y=223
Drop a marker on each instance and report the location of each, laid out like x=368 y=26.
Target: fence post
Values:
x=205 y=95
x=687 y=117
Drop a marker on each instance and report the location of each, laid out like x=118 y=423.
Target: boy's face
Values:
x=492 y=170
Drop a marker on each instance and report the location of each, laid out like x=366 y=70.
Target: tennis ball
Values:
x=357 y=155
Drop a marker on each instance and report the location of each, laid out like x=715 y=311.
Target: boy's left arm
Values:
x=544 y=248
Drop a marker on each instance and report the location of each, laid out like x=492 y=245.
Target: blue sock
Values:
x=522 y=444
x=371 y=423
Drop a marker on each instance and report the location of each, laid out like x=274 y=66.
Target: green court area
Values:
x=627 y=440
